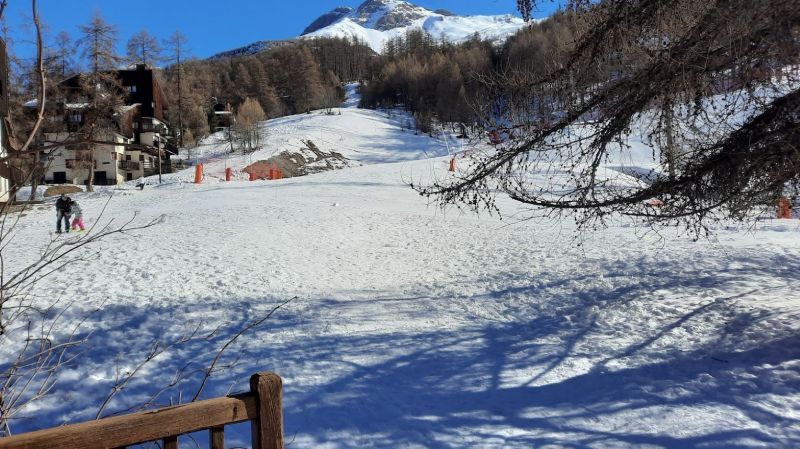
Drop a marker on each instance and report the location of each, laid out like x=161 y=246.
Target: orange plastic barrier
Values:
x=784 y=207
x=228 y=174
x=275 y=173
x=453 y=164
x=198 y=173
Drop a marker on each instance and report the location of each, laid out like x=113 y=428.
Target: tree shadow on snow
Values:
x=697 y=378
x=571 y=369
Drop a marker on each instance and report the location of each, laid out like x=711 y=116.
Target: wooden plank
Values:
x=170 y=443
x=267 y=428
x=217 y=437
x=137 y=428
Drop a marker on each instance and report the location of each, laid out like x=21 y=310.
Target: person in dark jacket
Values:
x=63 y=212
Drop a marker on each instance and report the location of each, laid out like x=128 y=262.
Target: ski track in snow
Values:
x=416 y=327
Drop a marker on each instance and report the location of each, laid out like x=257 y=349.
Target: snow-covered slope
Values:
x=417 y=327
x=362 y=135
x=377 y=21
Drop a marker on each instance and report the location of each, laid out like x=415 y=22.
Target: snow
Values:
x=454 y=28
x=419 y=327
x=354 y=134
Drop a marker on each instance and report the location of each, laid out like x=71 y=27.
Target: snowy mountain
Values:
x=377 y=21
x=254 y=48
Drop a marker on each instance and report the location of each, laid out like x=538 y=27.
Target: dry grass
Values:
x=58 y=190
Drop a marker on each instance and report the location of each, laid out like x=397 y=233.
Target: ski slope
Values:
x=418 y=327
x=363 y=136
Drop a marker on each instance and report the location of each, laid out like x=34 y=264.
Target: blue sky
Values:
x=211 y=26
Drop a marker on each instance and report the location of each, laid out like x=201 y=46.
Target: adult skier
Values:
x=63 y=212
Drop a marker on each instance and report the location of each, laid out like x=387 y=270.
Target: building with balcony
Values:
x=138 y=144
x=74 y=164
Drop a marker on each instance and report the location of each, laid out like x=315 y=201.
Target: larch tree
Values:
x=62 y=55
x=143 y=48
x=100 y=85
x=719 y=77
x=176 y=47
x=248 y=117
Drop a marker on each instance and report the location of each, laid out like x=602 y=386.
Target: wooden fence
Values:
x=261 y=406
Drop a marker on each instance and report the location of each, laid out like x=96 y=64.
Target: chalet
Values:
x=139 y=143
x=222 y=118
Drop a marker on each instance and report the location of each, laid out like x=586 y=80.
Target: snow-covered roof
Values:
x=128 y=107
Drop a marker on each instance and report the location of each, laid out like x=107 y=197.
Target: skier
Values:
x=63 y=211
x=140 y=183
x=77 y=216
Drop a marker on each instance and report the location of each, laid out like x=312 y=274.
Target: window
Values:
x=141 y=157
x=135 y=125
x=133 y=89
x=127 y=157
x=114 y=156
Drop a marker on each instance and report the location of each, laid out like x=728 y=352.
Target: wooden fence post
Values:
x=217 y=437
x=267 y=428
x=171 y=443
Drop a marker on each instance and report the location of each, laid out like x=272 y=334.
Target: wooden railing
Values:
x=261 y=406
x=129 y=165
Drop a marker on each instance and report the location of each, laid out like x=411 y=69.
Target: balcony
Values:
x=147 y=126
x=129 y=165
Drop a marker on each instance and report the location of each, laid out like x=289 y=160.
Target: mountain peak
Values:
x=384 y=15
x=375 y=22
x=328 y=19
x=381 y=15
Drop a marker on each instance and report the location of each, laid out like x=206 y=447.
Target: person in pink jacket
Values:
x=77 y=216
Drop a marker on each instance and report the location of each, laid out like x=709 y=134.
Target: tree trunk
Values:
x=670 y=152
x=90 y=184
x=35 y=176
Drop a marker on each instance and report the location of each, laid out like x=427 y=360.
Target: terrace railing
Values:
x=261 y=406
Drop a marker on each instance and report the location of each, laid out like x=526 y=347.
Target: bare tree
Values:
x=62 y=55
x=100 y=85
x=728 y=114
x=143 y=48
x=176 y=48
x=39 y=334
x=246 y=128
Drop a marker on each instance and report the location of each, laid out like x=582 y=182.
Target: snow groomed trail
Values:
x=416 y=327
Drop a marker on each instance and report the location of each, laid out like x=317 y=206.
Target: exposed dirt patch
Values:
x=307 y=161
x=58 y=190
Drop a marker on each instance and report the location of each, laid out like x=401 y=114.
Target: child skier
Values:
x=77 y=216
